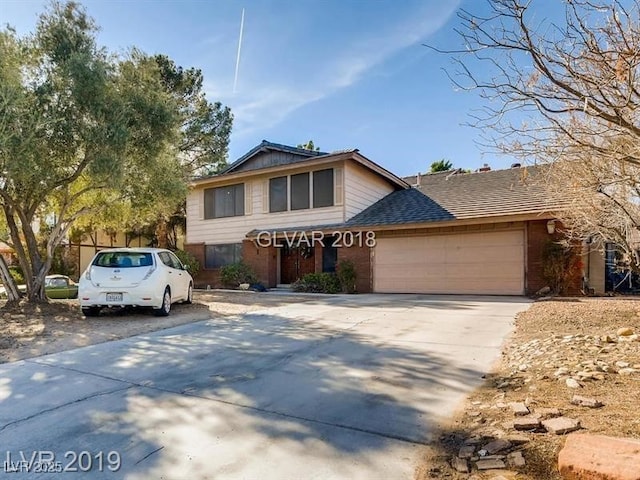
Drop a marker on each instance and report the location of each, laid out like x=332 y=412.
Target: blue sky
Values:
x=345 y=73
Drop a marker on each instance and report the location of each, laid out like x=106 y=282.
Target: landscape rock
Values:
x=572 y=383
x=561 y=425
x=544 y=413
x=625 y=332
x=526 y=423
x=626 y=371
x=497 y=446
x=466 y=451
x=518 y=439
x=543 y=291
x=598 y=457
x=516 y=459
x=460 y=465
x=586 y=401
x=490 y=464
x=519 y=408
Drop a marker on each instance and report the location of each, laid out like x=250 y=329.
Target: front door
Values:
x=295 y=263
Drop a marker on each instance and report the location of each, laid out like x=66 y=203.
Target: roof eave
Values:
x=316 y=160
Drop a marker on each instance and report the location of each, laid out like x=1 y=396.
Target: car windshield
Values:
x=123 y=259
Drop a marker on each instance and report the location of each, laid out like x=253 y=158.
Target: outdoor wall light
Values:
x=551 y=227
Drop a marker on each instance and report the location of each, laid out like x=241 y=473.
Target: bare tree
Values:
x=564 y=92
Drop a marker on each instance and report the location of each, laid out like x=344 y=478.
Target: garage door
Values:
x=489 y=263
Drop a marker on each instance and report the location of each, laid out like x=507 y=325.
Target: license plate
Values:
x=114 y=297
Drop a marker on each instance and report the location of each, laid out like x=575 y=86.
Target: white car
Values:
x=139 y=277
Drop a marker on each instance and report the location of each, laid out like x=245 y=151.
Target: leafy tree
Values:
x=80 y=131
x=308 y=146
x=566 y=93
x=441 y=166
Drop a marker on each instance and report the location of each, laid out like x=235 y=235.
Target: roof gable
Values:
x=268 y=154
x=272 y=158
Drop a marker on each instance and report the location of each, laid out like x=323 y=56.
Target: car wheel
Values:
x=91 y=311
x=189 y=298
x=165 y=308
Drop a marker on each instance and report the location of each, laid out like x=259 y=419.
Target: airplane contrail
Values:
x=235 y=77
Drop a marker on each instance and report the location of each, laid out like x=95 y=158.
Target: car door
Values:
x=174 y=275
x=183 y=276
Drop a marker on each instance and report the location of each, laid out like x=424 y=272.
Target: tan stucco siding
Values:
x=362 y=189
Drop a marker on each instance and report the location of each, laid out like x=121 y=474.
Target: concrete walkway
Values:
x=344 y=387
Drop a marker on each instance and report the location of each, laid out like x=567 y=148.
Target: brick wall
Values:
x=206 y=277
x=263 y=261
x=537 y=238
x=361 y=258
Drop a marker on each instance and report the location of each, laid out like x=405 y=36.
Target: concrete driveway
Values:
x=340 y=387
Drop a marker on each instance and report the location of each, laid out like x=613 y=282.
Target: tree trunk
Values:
x=161 y=233
x=13 y=295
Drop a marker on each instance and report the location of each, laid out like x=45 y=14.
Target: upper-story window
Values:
x=295 y=192
x=222 y=202
x=300 y=191
x=323 y=188
x=278 y=194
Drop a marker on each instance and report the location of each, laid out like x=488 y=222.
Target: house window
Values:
x=300 y=191
x=323 y=188
x=216 y=256
x=224 y=201
x=278 y=194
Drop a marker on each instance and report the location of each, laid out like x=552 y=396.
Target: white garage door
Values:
x=489 y=263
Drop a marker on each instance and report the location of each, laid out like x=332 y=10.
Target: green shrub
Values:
x=317 y=283
x=346 y=271
x=189 y=261
x=18 y=276
x=234 y=274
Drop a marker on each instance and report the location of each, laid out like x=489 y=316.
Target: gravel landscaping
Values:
x=571 y=364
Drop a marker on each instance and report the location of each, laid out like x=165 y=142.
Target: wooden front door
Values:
x=295 y=263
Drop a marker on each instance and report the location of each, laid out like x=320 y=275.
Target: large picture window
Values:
x=216 y=256
x=278 y=194
x=323 y=188
x=300 y=191
x=224 y=201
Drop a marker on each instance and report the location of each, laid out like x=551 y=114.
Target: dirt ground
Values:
x=553 y=340
x=31 y=331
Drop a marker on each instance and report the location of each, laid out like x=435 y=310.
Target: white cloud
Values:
x=265 y=100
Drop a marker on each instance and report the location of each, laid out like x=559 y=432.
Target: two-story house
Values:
x=253 y=208
x=287 y=211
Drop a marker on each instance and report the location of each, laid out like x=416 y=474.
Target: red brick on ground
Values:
x=598 y=457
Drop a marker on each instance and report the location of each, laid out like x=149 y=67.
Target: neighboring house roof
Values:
x=456 y=195
x=298 y=154
x=514 y=191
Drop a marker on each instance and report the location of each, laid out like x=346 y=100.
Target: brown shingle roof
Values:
x=512 y=191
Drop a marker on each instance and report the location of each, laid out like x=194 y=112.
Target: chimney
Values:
x=484 y=168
